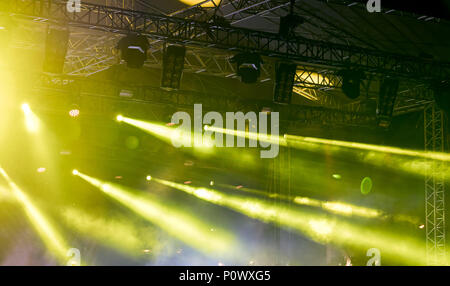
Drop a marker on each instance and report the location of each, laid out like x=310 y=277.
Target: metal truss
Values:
x=193 y=33
x=413 y=98
x=233 y=11
x=434 y=187
x=293 y=117
x=309 y=77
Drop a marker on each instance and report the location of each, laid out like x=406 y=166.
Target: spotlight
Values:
x=119 y=118
x=173 y=65
x=285 y=75
x=26 y=108
x=148 y=178
x=133 y=49
x=351 y=82
x=74 y=111
x=56 y=49
x=388 y=94
x=75 y=172
x=248 y=66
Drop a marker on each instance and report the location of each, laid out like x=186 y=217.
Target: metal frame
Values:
x=434 y=187
x=190 y=32
x=294 y=117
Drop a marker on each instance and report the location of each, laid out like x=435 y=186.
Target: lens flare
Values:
x=49 y=235
x=181 y=226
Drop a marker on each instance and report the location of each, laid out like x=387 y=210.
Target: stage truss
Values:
x=435 y=187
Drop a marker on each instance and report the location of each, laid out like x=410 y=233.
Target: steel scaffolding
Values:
x=434 y=187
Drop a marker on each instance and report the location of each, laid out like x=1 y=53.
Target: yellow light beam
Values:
x=320 y=228
x=49 y=235
x=411 y=161
x=167 y=134
x=31 y=120
x=116 y=233
x=340 y=208
x=181 y=226
x=295 y=141
x=370 y=147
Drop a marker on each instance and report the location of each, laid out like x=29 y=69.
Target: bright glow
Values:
x=26 y=108
x=74 y=112
x=75 y=172
x=168 y=134
x=312 y=79
x=177 y=224
x=318 y=227
x=148 y=178
x=41 y=170
x=337 y=176
x=31 y=120
x=46 y=231
x=210 y=4
x=251 y=135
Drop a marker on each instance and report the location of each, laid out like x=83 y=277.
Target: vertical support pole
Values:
x=434 y=187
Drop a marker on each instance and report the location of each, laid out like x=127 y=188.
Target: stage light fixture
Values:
x=148 y=178
x=74 y=111
x=173 y=65
x=133 y=49
x=75 y=172
x=119 y=118
x=386 y=101
x=56 y=49
x=351 y=81
x=248 y=66
x=284 y=82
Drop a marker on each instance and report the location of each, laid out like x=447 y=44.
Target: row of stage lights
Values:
x=133 y=51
